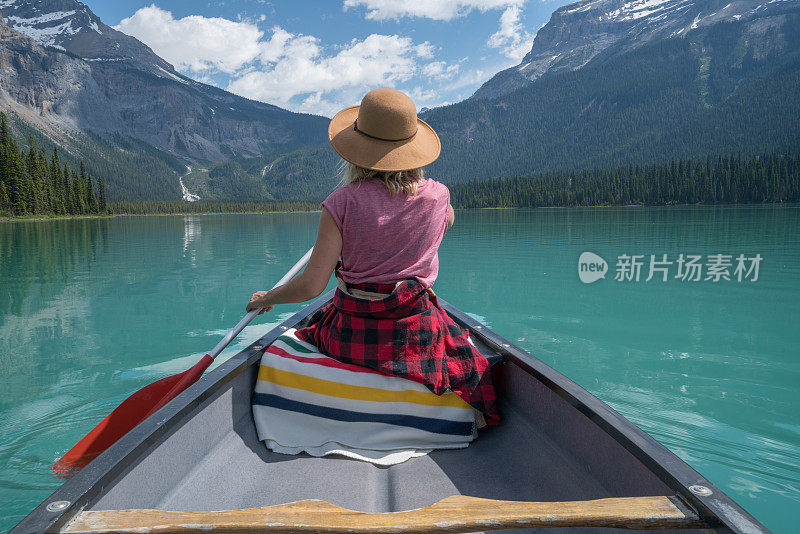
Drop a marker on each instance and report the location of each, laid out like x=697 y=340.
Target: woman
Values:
x=386 y=225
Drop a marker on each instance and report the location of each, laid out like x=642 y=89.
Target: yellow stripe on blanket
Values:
x=360 y=393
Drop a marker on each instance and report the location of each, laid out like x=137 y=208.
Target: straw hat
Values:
x=384 y=133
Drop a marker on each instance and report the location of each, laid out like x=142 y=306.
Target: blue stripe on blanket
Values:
x=437 y=426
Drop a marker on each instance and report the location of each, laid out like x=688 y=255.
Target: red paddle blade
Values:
x=127 y=415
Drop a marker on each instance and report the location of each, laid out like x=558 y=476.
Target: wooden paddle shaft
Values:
x=251 y=314
x=453 y=514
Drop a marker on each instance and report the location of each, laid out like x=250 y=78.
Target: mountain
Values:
x=102 y=93
x=732 y=86
x=607 y=83
x=578 y=32
x=683 y=81
x=70 y=26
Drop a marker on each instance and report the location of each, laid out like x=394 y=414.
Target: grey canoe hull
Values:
x=557 y=442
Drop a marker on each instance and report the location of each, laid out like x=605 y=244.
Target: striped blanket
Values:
x=305 y=401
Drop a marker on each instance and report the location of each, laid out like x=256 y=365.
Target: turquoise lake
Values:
x=91 y=310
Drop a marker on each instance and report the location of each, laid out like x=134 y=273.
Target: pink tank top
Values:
x=388 y=238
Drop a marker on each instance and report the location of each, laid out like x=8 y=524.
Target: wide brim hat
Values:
x=384 y=133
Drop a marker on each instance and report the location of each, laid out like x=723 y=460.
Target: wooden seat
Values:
x=452 y=514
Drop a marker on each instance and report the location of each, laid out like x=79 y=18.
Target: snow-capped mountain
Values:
x=64 y=72
x=70 y=26
x=578 y=32
x=610 y=83
x=53 y=24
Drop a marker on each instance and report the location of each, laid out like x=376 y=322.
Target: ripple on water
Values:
x=28 y=432
x=729 y=456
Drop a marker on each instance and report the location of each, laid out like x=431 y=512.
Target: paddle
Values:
x=150 y=398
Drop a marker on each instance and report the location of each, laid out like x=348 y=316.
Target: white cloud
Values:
x=440 y=70
x=424 y=50
x=299 y=67
x=301 y=73
x=431 y=9
x=423 y=97
x=471 y=79
x=511 y=38
x=292 y=70
x=195 y=43
x=273 y=49
x=315 y=103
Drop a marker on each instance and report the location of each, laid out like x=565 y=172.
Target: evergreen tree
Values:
x=4 y=138
x=66 y=187
x=30 y=184
x=91 y=200
x=731 y=179
x=78 y=204
x=56 y=184
x=16 y=179
x=33 y=195
x=101 y=186
x=4 y=201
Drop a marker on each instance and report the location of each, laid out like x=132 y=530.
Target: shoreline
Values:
x=40 y=218
x=742 y=204
x=37 y=218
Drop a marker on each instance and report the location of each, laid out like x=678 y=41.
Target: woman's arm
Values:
x=451 y=216
x=314 y=278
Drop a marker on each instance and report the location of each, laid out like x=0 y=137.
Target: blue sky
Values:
x=320 y=56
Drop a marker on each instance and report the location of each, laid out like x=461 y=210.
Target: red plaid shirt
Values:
x=405 y=334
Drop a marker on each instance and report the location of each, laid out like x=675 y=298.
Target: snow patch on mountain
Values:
x=43 y=19
x=70 y=26
x=581 y=7
x=45 y=36
x=54 y=23
x=577 y=32
x=639 y=9
x=166 y=74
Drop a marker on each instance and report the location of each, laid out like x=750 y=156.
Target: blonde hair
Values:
x=405 y=181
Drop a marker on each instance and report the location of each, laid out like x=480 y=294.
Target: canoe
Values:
x=562 y=459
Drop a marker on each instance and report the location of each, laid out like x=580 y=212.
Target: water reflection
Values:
x=44 y=295
x=191 y=233
x=93 y=309
x=45 y=251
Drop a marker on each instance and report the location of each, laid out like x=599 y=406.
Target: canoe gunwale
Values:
x=718 y=510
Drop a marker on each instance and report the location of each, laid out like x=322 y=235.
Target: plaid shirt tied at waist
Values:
x=407 y=334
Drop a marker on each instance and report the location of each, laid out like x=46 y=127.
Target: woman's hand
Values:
x=312 y=281
x=259 y=300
